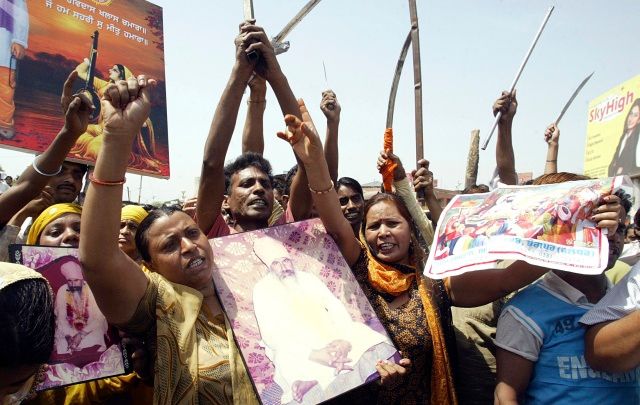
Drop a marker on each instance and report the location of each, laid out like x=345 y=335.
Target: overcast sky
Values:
x=470 y=51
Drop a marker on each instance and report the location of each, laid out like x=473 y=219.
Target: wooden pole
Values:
x=473 y=158
x=417 y=77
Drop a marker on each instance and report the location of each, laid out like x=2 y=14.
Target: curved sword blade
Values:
x=396 y=80
x=573 y=97
x=294 y=21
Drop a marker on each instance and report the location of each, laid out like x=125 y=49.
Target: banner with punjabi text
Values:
x=613 y=132
x=547 y=225
x=45 y=40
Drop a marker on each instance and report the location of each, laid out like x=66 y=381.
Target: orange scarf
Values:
x=387 y=279
x=389 y=167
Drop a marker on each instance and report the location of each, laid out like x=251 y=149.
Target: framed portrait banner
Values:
x=85 y=347
x=43 y=41
x=305 y=329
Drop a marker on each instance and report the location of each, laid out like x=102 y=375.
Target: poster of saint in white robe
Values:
x=305 y=329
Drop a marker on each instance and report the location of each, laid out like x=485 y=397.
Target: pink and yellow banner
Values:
x=613 y=130
x=42 y=41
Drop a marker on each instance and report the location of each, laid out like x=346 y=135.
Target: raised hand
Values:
x=126 y=105
x=302 y=135
x=254 y=38
x=76 y=107
x=552 y=134
x=258 y=87
x=330 y=106
x=507 y=104
x=422 y=177
x=242 y=43
x=189 y=206
x=387 y=157
x=609 y=214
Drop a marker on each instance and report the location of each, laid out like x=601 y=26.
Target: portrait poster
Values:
x=85 y=347
x=545 y=225
x=43 y=41
x=613 y=132
x=305 y=329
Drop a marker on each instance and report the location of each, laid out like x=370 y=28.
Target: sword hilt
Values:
x=253 y=56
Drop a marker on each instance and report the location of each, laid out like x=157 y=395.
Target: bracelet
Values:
x=319 y=192
x=40 y=172
x=106 y=182
x=551 y=161
x=256 y=102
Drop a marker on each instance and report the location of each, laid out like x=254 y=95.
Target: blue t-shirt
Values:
x=561 y=374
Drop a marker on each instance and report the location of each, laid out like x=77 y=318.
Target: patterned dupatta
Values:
x=388 y=279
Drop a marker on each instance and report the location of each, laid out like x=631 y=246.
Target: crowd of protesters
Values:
x=518 y=333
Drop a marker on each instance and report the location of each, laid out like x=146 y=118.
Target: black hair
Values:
x=280 y=183
x=121 y=71
x=248 y=159
x=83 y=167
x=625 y=201
x=142 y=241
x=351 y=183
x=289 y=179
x=27 y=323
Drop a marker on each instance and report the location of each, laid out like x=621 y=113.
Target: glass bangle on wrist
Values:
x=40 y=172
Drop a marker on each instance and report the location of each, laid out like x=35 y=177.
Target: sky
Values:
x=470 y=52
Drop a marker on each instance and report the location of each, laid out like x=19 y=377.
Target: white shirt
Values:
x=630 y=253
x=620 y=301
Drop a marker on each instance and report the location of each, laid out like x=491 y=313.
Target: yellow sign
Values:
x=613 y=132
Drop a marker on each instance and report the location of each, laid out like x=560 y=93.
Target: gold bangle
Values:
x=322 y=191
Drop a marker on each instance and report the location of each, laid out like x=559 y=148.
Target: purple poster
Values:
x=85 y=346
x=305 y=329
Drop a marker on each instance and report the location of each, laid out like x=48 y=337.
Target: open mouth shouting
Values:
x=352 y=216
x=386 y=248
x=258 y=203
x=196 y=264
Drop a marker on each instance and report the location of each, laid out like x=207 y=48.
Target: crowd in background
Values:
x=518 y=333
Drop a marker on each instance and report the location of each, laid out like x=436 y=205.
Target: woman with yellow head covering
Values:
x=130 y=219
x=58 y=225
x=26 y=335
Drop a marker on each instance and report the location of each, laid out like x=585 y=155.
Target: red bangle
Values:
x=105 y=182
